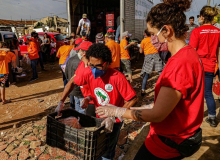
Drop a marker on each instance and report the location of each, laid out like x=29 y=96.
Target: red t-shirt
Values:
x=113 y=88
x=206 y=40
x=85 y=88
x=187 y=76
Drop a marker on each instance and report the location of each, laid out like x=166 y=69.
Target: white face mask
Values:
x=79 y=55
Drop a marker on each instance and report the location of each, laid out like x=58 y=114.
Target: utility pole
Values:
x=209 y=2
x=122 y=16
x=68 y=16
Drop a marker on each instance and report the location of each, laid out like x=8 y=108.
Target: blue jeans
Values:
x=208 y=94
x=64 y=78
x=34 y=68
x=110 y=154
x=117 y=34
x=144 y=82
x=78 y=105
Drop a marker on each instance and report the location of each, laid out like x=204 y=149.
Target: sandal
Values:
x=7 y=101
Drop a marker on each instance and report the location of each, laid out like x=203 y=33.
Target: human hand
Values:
x=216 y=79
x=132 y=43
x=110 y=111
x=149 y=106
x=85 y=103
x=59 y=107
x=109 y=124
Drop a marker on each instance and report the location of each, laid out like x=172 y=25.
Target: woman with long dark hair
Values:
x=178 y=108
x=206 y=41
x=46 y=47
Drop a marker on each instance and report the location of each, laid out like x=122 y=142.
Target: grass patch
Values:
x=27 y=142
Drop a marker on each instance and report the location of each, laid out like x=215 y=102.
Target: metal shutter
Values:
x=130 y=17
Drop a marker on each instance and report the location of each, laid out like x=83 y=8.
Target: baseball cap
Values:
x=110 y=34
x=84 y=46
x=99 y=36
x=126 y=34
x=84 y=15
x=78 y=41
x=110 y=30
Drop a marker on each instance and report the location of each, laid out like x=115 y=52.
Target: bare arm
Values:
x=68 y=88
x=218 y=55
x=132 y=43
x=141 y=50
x=14 y=64
x=88 y=30
x=77 y=31
x=166 y=101
x=130 y=103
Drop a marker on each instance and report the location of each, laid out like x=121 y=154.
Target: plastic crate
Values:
x=84 y=144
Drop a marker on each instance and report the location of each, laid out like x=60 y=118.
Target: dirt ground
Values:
x=33 y=100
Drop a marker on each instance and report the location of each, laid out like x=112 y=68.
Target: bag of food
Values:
x=71 y=121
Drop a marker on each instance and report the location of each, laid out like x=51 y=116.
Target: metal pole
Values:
x=122 y=16
x=68 y=16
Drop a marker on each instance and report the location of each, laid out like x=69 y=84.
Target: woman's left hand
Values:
x=110 y=111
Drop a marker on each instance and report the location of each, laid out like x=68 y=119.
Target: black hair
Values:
x=99 y=50
x=147 y=33
x=192 y=17
x=32 y=34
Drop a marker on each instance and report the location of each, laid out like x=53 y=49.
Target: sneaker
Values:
x=212 y=121
x=33 y=79
x=142 y=93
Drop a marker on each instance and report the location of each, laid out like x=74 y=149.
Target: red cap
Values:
x=78 y=41
x=110 y=30
x=84 y=46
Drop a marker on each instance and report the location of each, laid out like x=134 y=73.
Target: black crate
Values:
x=86 y=145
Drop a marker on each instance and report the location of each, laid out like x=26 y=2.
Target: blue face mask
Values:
x=97 y=72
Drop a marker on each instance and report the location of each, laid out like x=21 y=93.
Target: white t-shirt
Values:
x=53 y=44
x=84 y=25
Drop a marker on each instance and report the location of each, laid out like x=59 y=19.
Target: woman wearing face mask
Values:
x=206 y=41
x=178 y=108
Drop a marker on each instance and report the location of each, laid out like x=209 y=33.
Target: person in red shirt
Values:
x=33 y=55
x=206 y=41
x=106 y=85
x=178 y=108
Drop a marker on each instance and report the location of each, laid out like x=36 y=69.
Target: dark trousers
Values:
x=34 y=68
x=144 y=82
x=208 y=94
x=41 y=60
x=52 y=58
x=65 y=81
x=90 y=110
x=145 y=154
x=110 y=154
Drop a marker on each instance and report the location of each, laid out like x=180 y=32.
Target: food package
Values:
x=71 y=121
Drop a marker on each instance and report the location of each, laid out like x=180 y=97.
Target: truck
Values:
x=104 y=13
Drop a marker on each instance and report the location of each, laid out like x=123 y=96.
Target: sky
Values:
x=31 y=9
x=38 y=9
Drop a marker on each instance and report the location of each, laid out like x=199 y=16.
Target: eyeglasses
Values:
x=98 y=66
